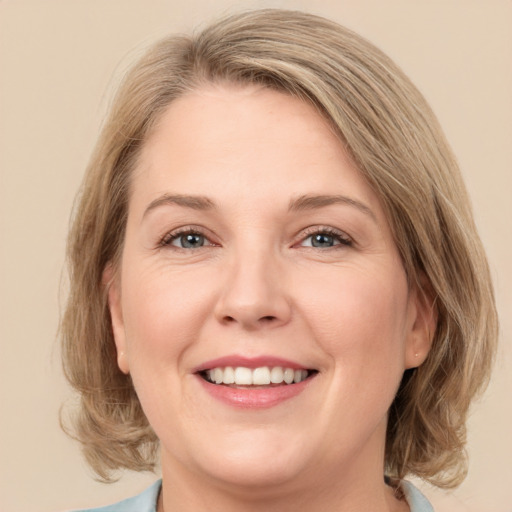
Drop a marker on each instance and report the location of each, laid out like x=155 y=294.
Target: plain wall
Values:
x=57 y=63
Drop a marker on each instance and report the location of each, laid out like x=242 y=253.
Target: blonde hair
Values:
x=392 y=134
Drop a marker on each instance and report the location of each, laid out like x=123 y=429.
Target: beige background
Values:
x=57 y=60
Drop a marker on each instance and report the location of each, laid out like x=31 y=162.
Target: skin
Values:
x=257 y=287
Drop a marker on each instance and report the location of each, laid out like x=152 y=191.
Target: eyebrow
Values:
x=302 y=203
x=309 y=202
x=193 y=202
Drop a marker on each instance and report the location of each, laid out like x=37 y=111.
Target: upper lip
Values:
x=249 y=362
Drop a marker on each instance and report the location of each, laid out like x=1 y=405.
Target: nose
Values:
x=255 y=294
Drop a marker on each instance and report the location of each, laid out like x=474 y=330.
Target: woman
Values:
x=275 y=278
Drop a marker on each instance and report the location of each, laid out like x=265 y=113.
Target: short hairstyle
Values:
x=391 y=133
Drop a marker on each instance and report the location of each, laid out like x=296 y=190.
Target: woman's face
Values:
x=255 y=255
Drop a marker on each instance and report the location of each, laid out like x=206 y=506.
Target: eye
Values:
x=185 y=239
x=189 y=241
x=325 y=239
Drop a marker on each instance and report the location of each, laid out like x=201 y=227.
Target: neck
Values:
x=189 y=492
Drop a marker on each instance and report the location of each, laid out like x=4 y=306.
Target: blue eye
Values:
x=189 y=241
x=326 y=239
x=322 y=240
x=185 y=238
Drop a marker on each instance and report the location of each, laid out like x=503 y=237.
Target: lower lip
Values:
x=254 y=398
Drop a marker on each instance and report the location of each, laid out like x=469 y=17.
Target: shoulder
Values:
x=415 y=499
x=144 y=502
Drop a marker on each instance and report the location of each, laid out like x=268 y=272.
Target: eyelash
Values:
x=170 y=237
x=341 y=237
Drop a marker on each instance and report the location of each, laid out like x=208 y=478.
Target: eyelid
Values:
x=342 y=236
x=169 y=236
x=173 y=234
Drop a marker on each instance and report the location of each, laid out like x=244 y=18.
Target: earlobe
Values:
x=423 y=327
x=112 y=286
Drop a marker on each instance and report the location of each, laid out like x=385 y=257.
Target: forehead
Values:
x=248 y=141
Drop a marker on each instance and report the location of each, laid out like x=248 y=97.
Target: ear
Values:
x=423 y=323
x=112 y=284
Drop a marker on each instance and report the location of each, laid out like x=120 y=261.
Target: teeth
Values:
x=288 y=375
x=299 y=375
x=243 y=376
x=229 y=376
x=217 y=375
x=276 y=375
x=262 y=376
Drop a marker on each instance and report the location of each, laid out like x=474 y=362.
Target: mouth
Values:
x=256 y=378
x=259 y=382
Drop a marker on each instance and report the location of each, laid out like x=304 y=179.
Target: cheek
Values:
x=359 y=319
x=164 y=312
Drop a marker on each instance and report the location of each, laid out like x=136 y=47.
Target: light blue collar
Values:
x=147 y=500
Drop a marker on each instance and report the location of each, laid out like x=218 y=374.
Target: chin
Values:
x=254 y=459
x=255 y=475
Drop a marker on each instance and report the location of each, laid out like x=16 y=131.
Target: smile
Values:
x=261 y=376
x=254 y=382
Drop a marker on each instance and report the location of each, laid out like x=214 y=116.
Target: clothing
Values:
x=147 y=500
x=144 y=502
x=416 y=501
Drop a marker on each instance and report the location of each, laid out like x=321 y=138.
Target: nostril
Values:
x=267 y=318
